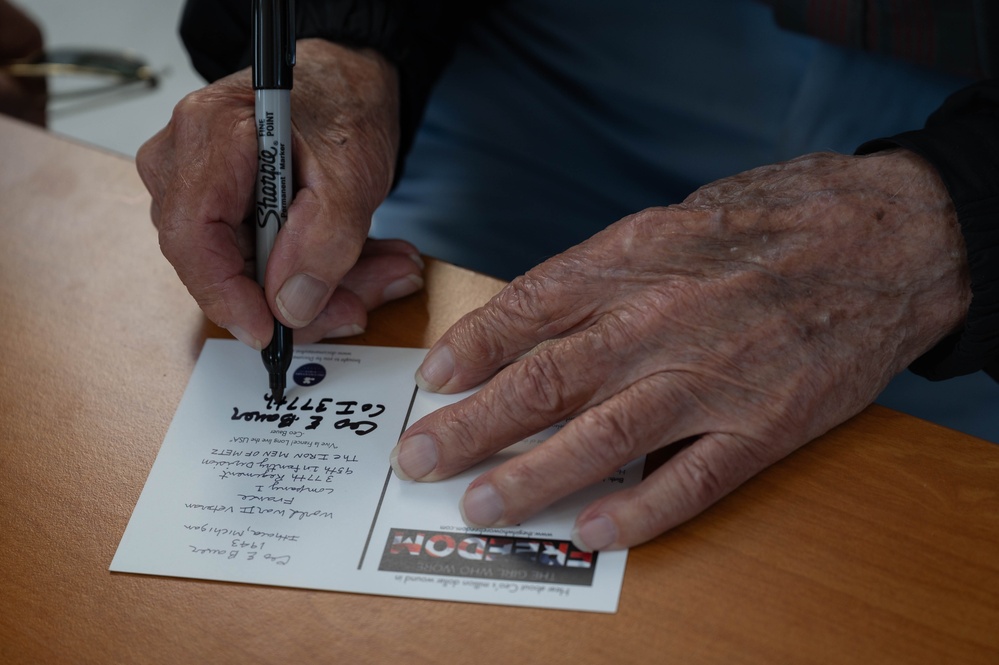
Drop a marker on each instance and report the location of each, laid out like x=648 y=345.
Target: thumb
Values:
x=314 y=250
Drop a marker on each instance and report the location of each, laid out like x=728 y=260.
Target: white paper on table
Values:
x=301 y=494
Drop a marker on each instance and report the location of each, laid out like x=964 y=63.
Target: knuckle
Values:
x=175 y=241
x=538 y=382
x=642 y=218
x=717 y=464
x=538 y=304
x=523 y=482
x=699 y=478
x=623 y=331
x=193 y=103
x=188 y=102
x=460 y=440
x=520 y=298
x=493 y=333
x=643 y=226
x=477 y=341
x=145 y=164
x=343 y=309
x=604 y=439
x=154 y=213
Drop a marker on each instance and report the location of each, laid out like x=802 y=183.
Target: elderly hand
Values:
x=20 y=40
x=323 y=275
x=752 y=318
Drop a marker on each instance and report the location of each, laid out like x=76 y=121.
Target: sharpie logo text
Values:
x=272 y=192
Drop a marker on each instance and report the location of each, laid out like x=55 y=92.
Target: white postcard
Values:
x=300 y=493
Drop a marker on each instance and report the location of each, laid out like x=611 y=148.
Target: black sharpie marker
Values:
x=273 y=59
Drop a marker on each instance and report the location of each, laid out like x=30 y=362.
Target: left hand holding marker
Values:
x=763 y=311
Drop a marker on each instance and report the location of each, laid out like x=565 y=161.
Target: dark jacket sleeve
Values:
x=961 y=139
x=417 y=36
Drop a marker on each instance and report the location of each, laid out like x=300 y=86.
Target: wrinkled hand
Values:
x=201 y=172
x=20 y=40
x=752 y=318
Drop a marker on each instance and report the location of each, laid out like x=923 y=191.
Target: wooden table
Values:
x=878 y=543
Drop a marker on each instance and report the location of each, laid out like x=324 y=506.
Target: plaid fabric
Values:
x=949 y=35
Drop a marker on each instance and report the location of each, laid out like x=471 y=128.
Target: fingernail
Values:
x=436 y=370
x=245 y=337
x=482 y=506
x=595 y=534
x=348 y=330
x=414 y=458
x=418 y=260
x=300 y=298
x=403 y=286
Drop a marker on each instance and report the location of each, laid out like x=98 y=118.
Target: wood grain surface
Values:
x=877 y=543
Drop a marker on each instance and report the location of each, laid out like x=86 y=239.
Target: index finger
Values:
x=533 y=308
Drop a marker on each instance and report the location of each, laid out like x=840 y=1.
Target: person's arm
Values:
x=961 y=141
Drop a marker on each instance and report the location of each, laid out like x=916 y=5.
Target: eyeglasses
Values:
x=120 y=68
